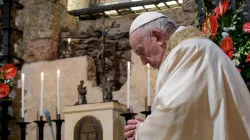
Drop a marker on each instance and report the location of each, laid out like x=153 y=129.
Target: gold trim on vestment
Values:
x=186 y=33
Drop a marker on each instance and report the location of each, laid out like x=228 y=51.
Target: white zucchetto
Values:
x=144 y=19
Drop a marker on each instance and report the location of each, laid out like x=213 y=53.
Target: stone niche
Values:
x=117 y=53
x=100 y=121
x=86 y=40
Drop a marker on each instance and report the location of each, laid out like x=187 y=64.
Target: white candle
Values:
x=58 y=92
x=128 y=86
x=41 y=102
x=69 y=40
x=148 y=69
x=22 y=114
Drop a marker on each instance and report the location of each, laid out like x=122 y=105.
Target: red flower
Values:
x=9 y=71
x=246 y=27
x=4 y=90
x=210 y=26
x=221 y=9
x=248 y=58
x=227 y=46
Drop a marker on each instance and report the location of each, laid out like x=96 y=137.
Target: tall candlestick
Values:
x=128 y=86
x=69 y=40
x=148 y=69
x=22 y=114
x=58 y=92
x=41 y=102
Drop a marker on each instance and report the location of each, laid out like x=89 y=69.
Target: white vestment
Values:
x=200 y=95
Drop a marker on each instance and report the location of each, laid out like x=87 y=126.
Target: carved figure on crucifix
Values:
x=108 y=96
x=101 y=55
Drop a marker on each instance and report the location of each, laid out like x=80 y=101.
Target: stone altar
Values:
x=104 y=117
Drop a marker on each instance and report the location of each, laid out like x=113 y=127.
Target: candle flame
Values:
x=69 y=40
x=23 y=76
x=148 y=66
x=42 y=75
x=58 y=72
x=128 y=64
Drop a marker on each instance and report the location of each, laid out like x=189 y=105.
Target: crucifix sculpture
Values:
x=105 y=31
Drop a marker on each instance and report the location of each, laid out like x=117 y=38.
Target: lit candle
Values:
x=22 y=114
x=148 y=69
x=69 y=40
x=128 y=86
x=58 y=92
x=41 y=102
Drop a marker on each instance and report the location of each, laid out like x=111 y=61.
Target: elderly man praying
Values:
x=200 y=95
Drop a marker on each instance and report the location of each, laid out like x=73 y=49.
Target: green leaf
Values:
x=248 y=74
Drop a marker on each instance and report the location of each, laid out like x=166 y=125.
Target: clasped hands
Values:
x=129 y=129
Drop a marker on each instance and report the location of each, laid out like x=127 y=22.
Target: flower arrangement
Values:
x=230 y=30
x=7 y=74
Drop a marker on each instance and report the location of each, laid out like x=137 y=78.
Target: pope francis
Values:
x=200 y=95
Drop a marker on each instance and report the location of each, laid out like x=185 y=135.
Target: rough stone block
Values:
x=42 y=21
x=124 y=23
x=91 y=70
x=32 y=2
x=68 y=22
x=19 y=20
x=77 y=4
x=42 y=49
x=180 y=17
x=85 y=25
x=189 y=6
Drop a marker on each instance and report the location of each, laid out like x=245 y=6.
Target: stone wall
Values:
x=117 y=54
x=41 y=22
x=86 y=41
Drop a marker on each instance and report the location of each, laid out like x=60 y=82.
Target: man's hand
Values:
x=131 y=127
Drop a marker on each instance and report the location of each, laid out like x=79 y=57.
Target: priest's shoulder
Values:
x=197 y=42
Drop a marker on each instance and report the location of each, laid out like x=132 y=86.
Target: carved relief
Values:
x=88 y=128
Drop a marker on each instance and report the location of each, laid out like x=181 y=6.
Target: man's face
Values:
x=150 y=49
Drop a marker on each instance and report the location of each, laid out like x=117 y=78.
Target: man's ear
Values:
x=159 y=36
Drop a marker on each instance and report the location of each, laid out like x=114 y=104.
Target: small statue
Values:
x=82 y=91
x=108 y=96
